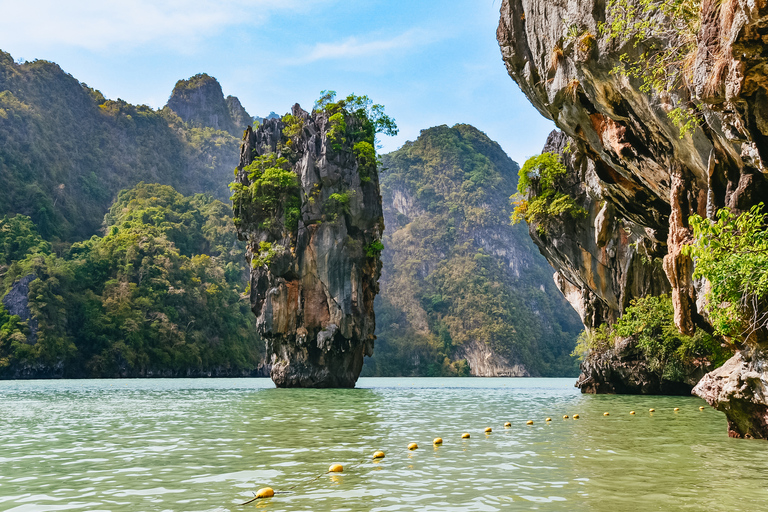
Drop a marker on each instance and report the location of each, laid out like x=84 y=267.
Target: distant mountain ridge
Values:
x=66 y=150
x=463 y=291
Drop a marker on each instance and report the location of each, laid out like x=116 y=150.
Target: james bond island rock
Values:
x=651 y=153
x=307 y=203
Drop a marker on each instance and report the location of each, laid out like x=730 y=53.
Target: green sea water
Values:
x=209 y=444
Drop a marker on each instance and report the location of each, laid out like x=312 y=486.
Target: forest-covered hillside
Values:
x=66 y=150
x=159 y=294
x=461 y=288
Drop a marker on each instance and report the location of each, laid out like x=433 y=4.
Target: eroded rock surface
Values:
x=629 y=158
x=739 y=388
x=314 y=297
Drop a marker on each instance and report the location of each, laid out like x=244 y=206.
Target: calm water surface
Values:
x=208 y=444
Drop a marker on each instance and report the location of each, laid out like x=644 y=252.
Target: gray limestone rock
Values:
x=632 y=156
x=314 y=296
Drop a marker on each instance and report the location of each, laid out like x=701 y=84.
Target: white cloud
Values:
x=108 y=24
x=354 y=48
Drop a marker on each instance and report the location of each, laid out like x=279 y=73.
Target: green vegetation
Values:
x=159 y=294
x=370 y=120
x=537 y=200
x=67 y=151
x=667 y=45
x=455 y=272
x=651 y=321
x=732 y=254
x=373 y=250
x=267 y=252
x=271 y=200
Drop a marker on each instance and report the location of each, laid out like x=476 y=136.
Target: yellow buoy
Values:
x=549 y=419
x=378 y=455
x=465 y=435
x=701 y=408
x=412 y=446
x=604 y=414
x=507 y=425
x=336 y=468
x=651 y=410
x=631 y=412
x=676 y=409
x=565 y=416
x=529 y=422
x=488 y=430
x=576 y=416
x=266 y=492
x=437 y=440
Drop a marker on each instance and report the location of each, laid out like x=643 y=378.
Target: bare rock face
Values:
x=313 y=282
x=200 y=101
x=16 y=301
x=484 y=362
x=630 y=155
x=739 y=388
x=602 y=261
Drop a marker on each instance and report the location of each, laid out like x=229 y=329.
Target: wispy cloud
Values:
x=354 y=48
x=110 y=24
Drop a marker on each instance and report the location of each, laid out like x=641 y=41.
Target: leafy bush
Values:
x=732 y=254
x=537 y=200
x=650 y=320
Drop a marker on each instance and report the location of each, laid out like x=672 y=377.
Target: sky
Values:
x=428 y=62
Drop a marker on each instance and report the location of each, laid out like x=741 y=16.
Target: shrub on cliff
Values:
x=732 y=254
x=650 y=321
x=538 y=199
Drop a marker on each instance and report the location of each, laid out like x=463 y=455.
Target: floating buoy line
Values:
x=269 y=492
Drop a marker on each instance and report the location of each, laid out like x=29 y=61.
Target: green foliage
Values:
x=537 y=200
x=366 y=160
x=159 y=293
x=267 y=252
x=665 y=34
x=732 y=254
x=19 y=237
x=337 y=204
x=596 y=340
x=373 y=250
x=271 y=199
x=362 y=107
x=651 y=321
x=66 y=151
x=442 y=288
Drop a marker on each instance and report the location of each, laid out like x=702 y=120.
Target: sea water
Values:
x=209 y=444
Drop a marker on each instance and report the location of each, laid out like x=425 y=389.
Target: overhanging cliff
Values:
x=637 y=167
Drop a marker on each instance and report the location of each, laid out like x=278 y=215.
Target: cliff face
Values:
x=199 y=101
x=313 y=279
x=644 y=174
x=462 y=290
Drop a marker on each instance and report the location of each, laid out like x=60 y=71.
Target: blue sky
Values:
x=429 y=62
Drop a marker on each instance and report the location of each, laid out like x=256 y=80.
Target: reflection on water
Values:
x=208 y=444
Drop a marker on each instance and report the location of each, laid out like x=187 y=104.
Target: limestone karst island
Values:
x=353 y=256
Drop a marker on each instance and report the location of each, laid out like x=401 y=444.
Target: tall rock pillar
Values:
x=307 y=202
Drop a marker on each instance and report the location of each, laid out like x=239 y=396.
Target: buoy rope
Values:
x=305 y=482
